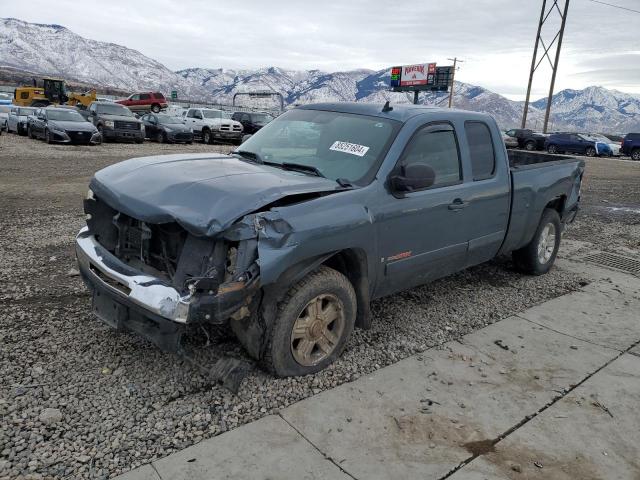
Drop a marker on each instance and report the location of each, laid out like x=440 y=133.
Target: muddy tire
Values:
x=538 y=256
x=313 y=323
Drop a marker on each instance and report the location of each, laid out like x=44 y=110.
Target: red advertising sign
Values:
x=420 y=74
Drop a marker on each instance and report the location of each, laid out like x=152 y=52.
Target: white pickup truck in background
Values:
x=210 y=124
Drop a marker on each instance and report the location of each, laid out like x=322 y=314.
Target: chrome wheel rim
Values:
x=317 y=330
x=547 y=243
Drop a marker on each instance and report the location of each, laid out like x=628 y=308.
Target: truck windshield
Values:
x=26 y=111
x=106 y=109
x=212 y=113
x=338 y=145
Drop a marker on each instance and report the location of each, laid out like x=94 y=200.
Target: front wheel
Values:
x=155 y=108
x=552 y=149
x=160 y=137
x=635 y=155
x=314 y=321
x=538 y=256
x=591 y=152
x=47 y=136
x=530 y=146
x=207 y=138
x=30 y=133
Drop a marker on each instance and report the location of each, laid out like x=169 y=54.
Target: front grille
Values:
x=225 y=128
x=79 y=136
x=123 y=125
x=134 y=241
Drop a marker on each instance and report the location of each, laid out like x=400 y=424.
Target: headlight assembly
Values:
x=109 y=123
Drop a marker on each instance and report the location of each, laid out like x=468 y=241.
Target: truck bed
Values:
x=536 y=180
x=519 y=158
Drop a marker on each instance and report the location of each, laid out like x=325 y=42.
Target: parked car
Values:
x=17 y=119
x=145 y=102
x=252 y=121
x=210 y=125
x=527 y=139
x=288 y=242
x=613 y=146
x=631 y=145
x=62 y=125
x=509 y=141
x=165 y=128
x=4 y=116
x=576 y=143
x=115 y=122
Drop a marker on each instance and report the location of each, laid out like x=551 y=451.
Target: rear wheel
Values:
x=552 y=149
x=590 y=152
x=155 y=108
x=635 y=155
x=160 y=138
x=314 y=321
x=530 y=146
x=538 y=256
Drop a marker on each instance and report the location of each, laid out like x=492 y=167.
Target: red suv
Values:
x=145 y=101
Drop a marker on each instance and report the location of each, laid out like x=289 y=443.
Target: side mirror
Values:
x=413 y=177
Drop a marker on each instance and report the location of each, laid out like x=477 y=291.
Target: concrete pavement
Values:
x=550 y=393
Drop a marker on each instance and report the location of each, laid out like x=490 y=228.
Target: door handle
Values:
x=458 y=204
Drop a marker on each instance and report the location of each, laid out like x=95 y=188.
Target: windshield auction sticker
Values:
x=352 y=148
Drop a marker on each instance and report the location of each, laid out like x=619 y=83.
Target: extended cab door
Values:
x=422 y=234
x=487 y=192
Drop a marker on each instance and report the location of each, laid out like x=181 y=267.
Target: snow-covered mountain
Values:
x=594 y=106
x=54 y=50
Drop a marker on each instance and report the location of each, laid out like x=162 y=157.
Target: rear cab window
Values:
x=481 y=150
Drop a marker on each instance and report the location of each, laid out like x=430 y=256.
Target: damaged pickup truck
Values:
x=328 y=207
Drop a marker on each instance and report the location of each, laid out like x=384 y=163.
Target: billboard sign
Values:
x=422 y=76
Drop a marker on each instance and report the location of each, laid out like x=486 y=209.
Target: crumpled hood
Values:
x=204 y=193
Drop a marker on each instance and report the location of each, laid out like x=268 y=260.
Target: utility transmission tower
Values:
x=453 y=77
x=535 y=61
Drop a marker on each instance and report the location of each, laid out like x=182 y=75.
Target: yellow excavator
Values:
x=53 y=92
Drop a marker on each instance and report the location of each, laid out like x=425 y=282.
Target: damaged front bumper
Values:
x=126 y=298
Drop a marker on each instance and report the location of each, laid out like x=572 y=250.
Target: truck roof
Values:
x=401 y=112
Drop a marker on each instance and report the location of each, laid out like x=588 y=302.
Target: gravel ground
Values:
x=78 y=400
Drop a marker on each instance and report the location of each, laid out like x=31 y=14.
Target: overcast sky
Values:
x=494 y=37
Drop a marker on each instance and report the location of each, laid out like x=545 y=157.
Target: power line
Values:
x=616 y=6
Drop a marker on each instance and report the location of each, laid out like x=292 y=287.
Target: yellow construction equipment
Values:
x=53 y=92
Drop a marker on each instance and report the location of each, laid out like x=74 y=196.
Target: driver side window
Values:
x=436 y=146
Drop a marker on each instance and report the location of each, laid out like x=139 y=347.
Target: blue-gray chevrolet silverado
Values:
x=289 y=237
